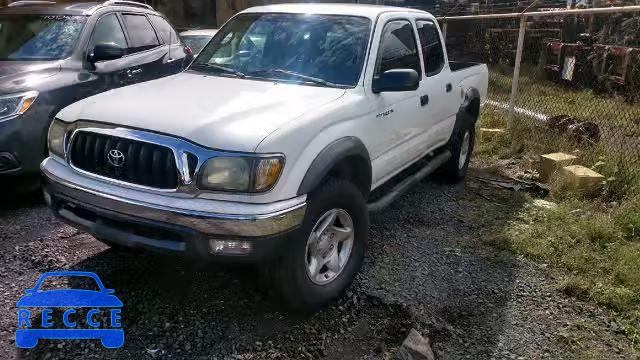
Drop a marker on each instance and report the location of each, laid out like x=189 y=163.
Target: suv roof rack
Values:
x=30 y=3
x=126 y=3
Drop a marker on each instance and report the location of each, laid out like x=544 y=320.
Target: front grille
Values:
x=141 y=163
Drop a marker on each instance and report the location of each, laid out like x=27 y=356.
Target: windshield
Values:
x=324 y=50
x=27 y=37
x=196 y=42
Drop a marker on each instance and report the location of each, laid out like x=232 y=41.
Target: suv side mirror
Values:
x=105 y=52
x=396 y=80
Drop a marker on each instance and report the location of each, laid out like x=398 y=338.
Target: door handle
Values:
x=449 y=87
x=134 y=72
x=424 y=100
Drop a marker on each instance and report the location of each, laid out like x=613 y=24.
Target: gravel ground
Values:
x=426 y=269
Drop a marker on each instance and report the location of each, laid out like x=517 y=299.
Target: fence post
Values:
x=516 y=72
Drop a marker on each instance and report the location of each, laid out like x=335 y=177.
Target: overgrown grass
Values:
x=595 y=242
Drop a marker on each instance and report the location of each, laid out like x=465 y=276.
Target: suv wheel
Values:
x=327 y=252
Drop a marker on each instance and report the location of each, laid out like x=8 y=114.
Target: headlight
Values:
x=16 y=104
x=241 y=174
x=57 y=132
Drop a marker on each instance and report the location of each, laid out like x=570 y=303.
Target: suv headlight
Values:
x=56 y=138
x=16 y=104
x=241 y=173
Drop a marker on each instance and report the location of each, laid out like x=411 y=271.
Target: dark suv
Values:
x=52 y=55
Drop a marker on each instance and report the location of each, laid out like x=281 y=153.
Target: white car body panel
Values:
x=215 y=112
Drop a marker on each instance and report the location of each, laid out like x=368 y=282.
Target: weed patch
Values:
x=595 y=242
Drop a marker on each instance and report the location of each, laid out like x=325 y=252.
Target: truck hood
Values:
x=213 y=111
x=18 y=76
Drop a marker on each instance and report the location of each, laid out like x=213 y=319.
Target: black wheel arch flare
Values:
x=346 y=148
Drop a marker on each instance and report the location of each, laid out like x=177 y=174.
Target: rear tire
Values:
x=340 y=208
x=461 y=148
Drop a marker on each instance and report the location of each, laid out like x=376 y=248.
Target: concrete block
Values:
x=551 y=163
x=487 y=135
x=582 y=179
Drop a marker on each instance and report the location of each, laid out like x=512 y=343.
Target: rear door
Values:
x=439 y=101
x=176 y=56
x=146 y=53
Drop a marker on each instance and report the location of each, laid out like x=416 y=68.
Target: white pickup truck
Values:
x=290 y=127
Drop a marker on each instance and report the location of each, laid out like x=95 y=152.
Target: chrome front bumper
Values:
x=256 y=220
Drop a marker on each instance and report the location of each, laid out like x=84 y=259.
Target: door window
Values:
x=165 y=31
x=398 y=49
x=108 y=30
x=141 y=33
x=431 y=47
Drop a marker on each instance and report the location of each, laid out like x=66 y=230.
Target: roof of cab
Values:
x=370 y=11
x=62 y=8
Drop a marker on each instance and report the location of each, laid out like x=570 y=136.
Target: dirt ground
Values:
x=427 y=268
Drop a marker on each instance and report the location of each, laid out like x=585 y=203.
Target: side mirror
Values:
x=105 y=52
x=396 y=80
x=109 y=291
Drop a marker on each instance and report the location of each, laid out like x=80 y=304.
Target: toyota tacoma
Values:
x=292 y=125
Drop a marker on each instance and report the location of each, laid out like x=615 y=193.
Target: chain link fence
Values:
x=577 y=88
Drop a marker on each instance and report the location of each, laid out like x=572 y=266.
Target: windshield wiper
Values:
x=225 y=69
x=308 y=78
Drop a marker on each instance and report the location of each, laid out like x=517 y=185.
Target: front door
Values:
x=105 y=75
x=395 y=112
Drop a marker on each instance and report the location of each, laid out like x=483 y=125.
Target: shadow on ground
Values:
x=426 y=268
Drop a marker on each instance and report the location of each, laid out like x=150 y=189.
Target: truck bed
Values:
x=470 y=75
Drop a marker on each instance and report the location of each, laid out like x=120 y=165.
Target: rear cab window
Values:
x=142 y=36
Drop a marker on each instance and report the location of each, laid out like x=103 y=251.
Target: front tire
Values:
x=324 y=256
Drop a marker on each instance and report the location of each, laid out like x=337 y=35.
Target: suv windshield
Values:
x=324 y=50
x=44 y=37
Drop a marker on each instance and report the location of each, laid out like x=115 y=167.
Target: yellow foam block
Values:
x=551 y=163
x=582 y=179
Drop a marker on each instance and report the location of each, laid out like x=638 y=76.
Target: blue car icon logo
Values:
x=102 y=301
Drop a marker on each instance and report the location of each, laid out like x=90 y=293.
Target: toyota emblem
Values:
x=115 y=158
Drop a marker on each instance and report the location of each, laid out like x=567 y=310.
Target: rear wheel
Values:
x=325 y=255
x=461 y=148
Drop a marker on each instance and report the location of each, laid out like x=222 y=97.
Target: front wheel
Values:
x=327 y=252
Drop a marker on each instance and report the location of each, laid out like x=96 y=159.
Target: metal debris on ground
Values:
x=516 y=185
